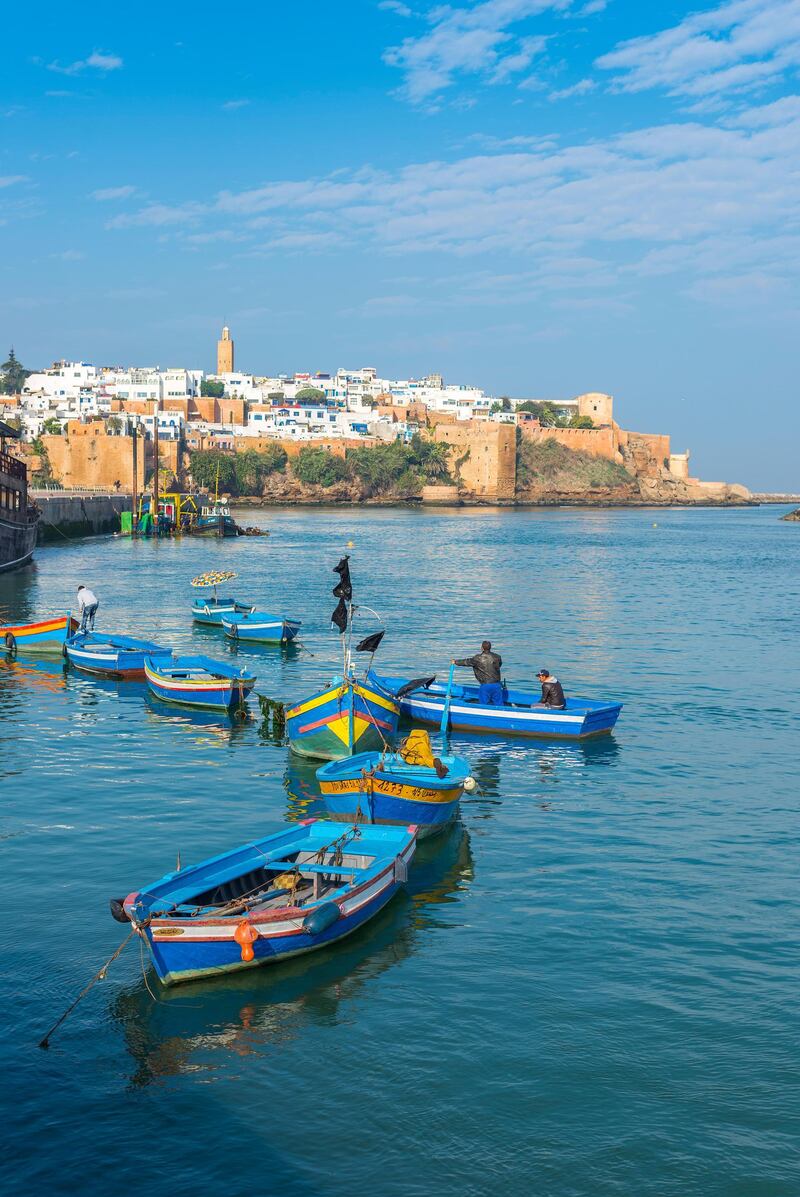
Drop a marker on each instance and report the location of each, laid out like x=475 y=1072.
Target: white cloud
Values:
x=397 y=7
x=472 y=40
x=577 y=89
x=69 y=255
x=96 y=61
x=113 y=193
x=10 y=180
x=232 y=105
x=738 y=46
x=700 y=201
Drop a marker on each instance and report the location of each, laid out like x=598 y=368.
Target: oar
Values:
x=446 y=708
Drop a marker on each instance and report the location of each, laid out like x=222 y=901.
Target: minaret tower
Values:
x=225 y=352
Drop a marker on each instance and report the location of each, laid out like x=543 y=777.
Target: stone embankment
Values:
x=792 y=515
x=67 y=515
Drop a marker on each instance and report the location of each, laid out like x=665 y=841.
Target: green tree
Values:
x=52 y=426
x=318 y=467
x=310 y=395
x=254 y=466
x=12 y=375
x=211 y=389
x=581 y=422
x=207 y=465
x=501 y=404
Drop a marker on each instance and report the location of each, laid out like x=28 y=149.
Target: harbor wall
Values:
x=71 y=516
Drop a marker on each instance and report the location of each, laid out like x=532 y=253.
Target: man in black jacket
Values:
x=486 y=667
x=552 y=691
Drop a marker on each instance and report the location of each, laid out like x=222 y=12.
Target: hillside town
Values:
x=77 y=421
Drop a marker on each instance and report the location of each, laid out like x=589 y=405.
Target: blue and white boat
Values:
x=300 y=889
x=198 y=682
x=260 y=628
x=213 y=610
x=521 y=714
x=112 y=655
x=389 y=788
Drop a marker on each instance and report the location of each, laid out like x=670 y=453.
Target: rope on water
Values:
x=98 y=976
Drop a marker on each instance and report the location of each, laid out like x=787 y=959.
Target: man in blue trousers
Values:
x=486 y=667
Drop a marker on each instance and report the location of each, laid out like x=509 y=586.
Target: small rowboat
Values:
x=520 y=715
x=212 y=611
x=375 y=787
x=44 y=636
x=301 y=889
x=258 y=626
x=347 y=717
x=113 y=656
x=198 y=682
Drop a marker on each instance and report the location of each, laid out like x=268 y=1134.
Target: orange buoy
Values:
x=246 y=935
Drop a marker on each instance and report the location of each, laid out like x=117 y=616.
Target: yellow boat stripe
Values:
x=312 y=703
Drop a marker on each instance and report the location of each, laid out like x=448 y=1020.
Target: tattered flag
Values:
x=339 y=616
x=370 y=643
x=343 y=588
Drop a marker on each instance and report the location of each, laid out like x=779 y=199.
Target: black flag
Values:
x=343 y=588
x=370 y=643
x=339 y=616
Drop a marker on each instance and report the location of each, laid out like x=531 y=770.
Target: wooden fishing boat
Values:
x=211 y=610
x=198 y=682
x=113 y=656
x=303 y=888
x=43 y=636
x=521 y=715
x=396 y=787
x=349 y=715
x=215 y=520
x=259 y=627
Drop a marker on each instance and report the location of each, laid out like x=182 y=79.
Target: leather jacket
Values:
x=485 y=666
x=552 y=693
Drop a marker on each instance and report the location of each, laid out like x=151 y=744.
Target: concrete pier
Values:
x=78 y=513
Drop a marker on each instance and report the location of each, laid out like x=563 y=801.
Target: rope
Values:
x=98 y=976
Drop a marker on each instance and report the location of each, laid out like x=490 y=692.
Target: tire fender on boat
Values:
x=11 y=644
x=320 y=919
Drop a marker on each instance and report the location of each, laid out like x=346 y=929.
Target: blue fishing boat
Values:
x=423 y=699
x=211 y=609
x=113 y=656
x=43 y=636
x=410 y=785
x=260 y=628
x=198 y=682
x=215 y=520
x=303 y=888
x=350 y=715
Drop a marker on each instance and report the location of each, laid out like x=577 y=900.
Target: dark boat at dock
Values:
x=18 y=518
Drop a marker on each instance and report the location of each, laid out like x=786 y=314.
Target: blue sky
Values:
x=538 y=196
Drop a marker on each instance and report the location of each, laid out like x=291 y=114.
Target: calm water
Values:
x=591 y=986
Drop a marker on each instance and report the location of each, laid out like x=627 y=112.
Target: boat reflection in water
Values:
x=33 y=673
x=242 y=1014
x=200 y=725
x=305 y=799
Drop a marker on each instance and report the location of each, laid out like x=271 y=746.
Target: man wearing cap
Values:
x=552 y=691
x=486 y=667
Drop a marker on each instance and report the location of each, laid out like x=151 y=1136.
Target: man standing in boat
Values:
x=552 y=691
x=88 y=603
x=486 y=667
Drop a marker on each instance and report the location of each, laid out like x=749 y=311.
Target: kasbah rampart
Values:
x=484 y=455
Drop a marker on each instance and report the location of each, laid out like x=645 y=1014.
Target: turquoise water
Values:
x=591 y=986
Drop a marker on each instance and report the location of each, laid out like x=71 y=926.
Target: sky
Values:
x=538 y=197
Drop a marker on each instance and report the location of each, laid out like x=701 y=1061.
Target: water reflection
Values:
x=46 y=673
x=182 y=1029
x=305 y=800
x=198 y=725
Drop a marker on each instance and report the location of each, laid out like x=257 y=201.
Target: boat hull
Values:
x=212 y=613
x=124 y=663
x=46 y=636
x=346 y=718
x=215 y=525
x=17 y=542
x=275 y=631
x=580 y=720
x=214 y=694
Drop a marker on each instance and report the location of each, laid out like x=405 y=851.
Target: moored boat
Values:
x=215 y=520
x=113 y=655
x=349 y=715
x=410 y=785
x=259 y=627
x=520 y=715
x=42 y=636
x=300 y=889
x=213 y=609
x=198 y=682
